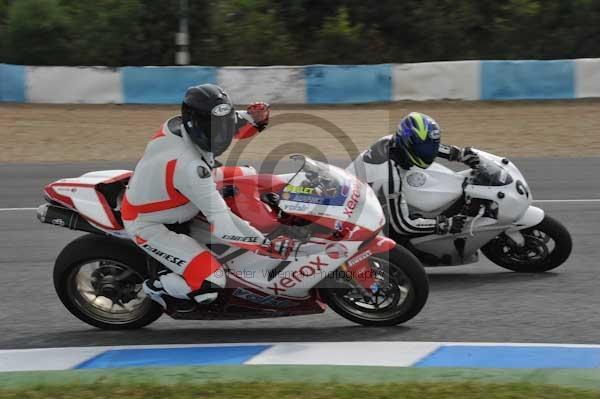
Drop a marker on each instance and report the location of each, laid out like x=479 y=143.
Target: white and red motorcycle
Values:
x=341 y=258
x=502 y=222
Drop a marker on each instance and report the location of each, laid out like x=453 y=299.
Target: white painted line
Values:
x=16 y=209
x=46 y=359
x=398 y=354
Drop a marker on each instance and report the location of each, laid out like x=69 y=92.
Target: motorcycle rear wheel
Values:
x=405 y=296
x=99 y=280
x=547 y=246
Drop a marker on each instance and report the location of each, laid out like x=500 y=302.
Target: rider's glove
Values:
x=469 y=157
x=452 y=225
x=277 y=248
x=260 y=114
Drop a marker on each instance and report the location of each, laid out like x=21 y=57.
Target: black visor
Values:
x=210 y=132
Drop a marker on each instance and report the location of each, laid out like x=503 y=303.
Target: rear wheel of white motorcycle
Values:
x=99 y=280
x=403 y=288
x=547 y=246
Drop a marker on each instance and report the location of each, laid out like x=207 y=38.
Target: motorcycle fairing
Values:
x=84 y=195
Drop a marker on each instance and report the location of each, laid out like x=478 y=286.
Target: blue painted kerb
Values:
x=512 y=357
x=174 y=356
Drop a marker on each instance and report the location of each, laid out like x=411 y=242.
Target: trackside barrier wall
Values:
x=312 y=84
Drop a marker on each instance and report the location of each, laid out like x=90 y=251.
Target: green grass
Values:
x=284 y=390
x=330 y=382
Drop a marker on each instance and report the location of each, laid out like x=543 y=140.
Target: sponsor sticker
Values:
x=292 y=279
x=360 y=258
x=221 y=110
x=336 y=250
x=416 y=179
x=298 y=189
x=231 y=237
x=353 y=201
x=269 y=300
x=296 y=207
x=170 y=258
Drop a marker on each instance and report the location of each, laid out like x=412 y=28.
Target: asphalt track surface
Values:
x=481 y=302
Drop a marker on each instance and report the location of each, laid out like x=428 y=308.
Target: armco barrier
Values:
x=312 y=84
x=344 y=84
x=92 y=85
x=12 y=83
x=519 y=80
x=162 y=85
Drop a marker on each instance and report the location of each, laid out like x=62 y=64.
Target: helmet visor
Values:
x=222 y=130
x=213 y=133
x=425 y=153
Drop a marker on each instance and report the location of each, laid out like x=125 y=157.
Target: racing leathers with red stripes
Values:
x=387 y=179
x=171 y=184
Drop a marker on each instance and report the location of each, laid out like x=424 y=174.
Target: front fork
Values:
x=358 y=266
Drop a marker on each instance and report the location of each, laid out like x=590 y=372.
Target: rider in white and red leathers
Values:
x=385 y=165
x=173 y=182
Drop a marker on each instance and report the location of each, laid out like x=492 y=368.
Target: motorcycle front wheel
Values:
x=99 y=280
x=403 y=288
x=547 y=246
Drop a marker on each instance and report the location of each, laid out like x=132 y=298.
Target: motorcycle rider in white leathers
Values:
x=385 y=164
x=173 y=182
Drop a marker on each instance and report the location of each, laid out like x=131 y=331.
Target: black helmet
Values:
x=208 y=117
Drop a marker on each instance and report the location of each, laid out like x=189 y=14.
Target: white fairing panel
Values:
x=87 y=201
x=297 y=278
x=432 y=189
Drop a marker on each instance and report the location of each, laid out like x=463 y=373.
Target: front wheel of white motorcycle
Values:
x=547 y=246
x=403 y=288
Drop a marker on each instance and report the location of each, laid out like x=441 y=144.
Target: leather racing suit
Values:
x=171 y=184
x=388 y=180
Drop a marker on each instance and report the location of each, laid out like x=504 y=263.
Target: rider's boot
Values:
x=172 y=292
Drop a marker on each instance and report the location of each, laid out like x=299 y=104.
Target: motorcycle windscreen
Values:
x=315 y=189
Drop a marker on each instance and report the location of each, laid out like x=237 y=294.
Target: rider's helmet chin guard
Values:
x=416 y=142
x=208 y=118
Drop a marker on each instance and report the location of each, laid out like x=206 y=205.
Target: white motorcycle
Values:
x=502 y=222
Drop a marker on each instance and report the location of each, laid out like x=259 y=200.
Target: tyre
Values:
x=99 y=280
x=403 y=292
x=547 y=246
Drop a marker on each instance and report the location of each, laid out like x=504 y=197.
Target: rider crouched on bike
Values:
x=385 y=164
x=173 y=182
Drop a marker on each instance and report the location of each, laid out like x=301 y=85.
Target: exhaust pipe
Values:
x=64 y=217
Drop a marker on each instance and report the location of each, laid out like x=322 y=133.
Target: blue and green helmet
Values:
x=418 y=141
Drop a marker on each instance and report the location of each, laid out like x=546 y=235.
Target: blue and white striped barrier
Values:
x=395 y=354
x=312 y=84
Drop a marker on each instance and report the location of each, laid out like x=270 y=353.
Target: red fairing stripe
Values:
x=246 y=131
x=159 y=133
x=123 y=176
x=381 y=244
x=231 y=172
x=176 y=199
x=199 y=269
